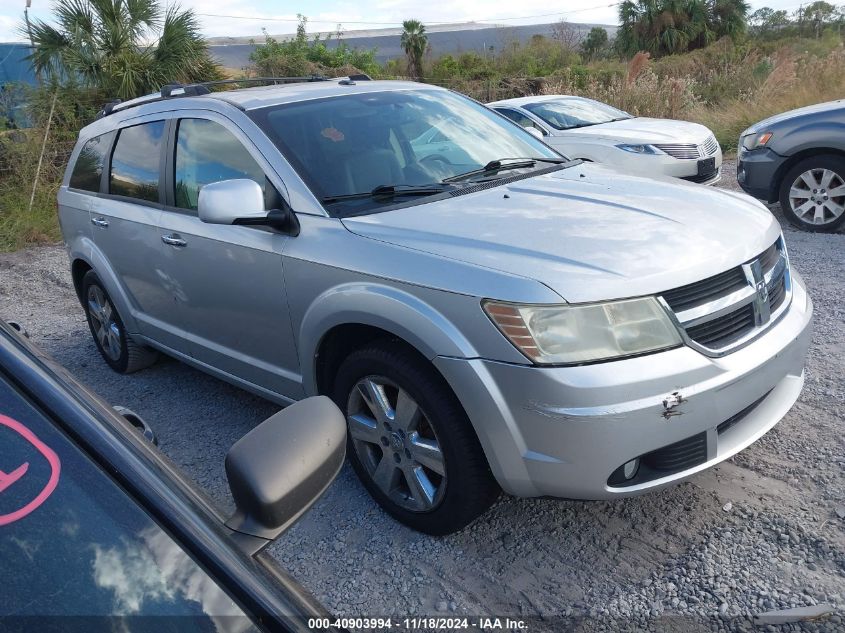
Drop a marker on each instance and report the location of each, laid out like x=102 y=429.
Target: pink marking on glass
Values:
x=7 y=480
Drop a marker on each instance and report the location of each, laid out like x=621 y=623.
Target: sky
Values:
x=248 y=17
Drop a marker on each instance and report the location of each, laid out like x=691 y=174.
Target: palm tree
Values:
x=414 y=41
x=729 y=17
x=664 y=27
x=125 y=48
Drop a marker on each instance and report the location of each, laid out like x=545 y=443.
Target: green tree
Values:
x=125 y=48
x=595 y=42
x=664 y=27
x=766 y=22
x=414 y=42
x=820 y=14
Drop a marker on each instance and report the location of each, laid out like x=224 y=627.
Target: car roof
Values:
x=520 y=101
x=245 y=99
x=262 y=96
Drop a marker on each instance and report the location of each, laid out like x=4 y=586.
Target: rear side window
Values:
x=88 y=169
x=207 y=152
x=518 y=118
x=135 y=162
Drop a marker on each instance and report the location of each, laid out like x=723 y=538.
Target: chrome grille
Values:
x=684 y=151
x=711 y=145
x=723 y=312
x=690 y=151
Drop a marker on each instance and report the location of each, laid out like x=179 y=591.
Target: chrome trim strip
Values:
x=716 y=308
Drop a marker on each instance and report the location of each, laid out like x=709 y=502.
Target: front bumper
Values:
x=665 y=165
x=756 y=172
x=563 y=431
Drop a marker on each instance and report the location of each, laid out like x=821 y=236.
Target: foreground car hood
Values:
x=830 y=106
x=587 y=232
x=644 y=130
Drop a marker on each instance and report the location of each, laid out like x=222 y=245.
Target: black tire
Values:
x=124 y=356
x=816 y=165
x=469 y=486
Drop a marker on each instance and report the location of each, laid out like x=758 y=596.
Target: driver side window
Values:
x=207 y=152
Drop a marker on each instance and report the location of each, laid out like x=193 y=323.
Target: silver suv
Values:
x=488 y=314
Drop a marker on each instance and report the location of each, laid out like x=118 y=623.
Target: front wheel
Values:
x=812 y=193
x=410 y=441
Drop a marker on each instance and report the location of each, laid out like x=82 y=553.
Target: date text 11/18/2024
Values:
x=419 y=623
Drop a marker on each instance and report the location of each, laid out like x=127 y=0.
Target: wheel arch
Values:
x=85 y=256
x=349 y=316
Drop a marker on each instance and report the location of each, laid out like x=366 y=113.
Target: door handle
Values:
x=173 y=240
x=101 y=222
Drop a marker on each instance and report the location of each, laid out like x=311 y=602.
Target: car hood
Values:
x=644 y=130
x=818 y=108
x=587 y=232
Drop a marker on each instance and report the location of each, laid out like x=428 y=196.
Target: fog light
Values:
x=629 y=470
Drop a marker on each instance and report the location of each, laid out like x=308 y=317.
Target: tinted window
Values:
x=135 y=161
x=518 y=118
x=207 y=152
x=73 y=543
x=89 y=164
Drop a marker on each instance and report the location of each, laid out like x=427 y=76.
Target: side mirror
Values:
x=535 y=132
x=281 y=467
x=241 y=201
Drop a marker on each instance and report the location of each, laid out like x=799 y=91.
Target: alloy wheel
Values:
x=103 y=321
x=396 y=443
x=817 y=196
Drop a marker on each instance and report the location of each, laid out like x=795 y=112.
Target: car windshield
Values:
x=344 y=147
x=574 y=112
x=75 y=544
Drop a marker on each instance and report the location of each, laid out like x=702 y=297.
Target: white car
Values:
x=594 y=131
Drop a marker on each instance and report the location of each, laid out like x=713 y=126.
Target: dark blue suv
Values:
x=798 y=159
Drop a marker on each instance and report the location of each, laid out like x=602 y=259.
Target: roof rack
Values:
x=174 y=90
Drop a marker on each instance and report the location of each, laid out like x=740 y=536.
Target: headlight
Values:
x=572 y=334
x=753 y=141
x=640 y=149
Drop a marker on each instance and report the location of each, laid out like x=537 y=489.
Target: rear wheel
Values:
x=410 y=441
x=116 y=347
x=812 y=193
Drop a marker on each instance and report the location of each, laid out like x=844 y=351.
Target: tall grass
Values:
x=727 y=96
x=796 y=80
x=20 y=151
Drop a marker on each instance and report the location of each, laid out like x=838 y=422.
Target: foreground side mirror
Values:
x=241 y=201
x=535 y=132
x=281 y=467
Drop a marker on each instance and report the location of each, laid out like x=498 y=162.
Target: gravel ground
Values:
x=758 y=532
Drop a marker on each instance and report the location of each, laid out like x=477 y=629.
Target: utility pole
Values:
x=29 y=32
x=28 y=26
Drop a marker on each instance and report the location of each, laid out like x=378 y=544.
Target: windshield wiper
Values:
x=500 y=164
x=391 y=191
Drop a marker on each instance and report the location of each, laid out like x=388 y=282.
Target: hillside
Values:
x=443 y=39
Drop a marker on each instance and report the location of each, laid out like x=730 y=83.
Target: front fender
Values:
x=385 y=307
x=84 y=249
x=808 y=135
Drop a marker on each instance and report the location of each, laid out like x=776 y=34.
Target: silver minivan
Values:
x=495 y=317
